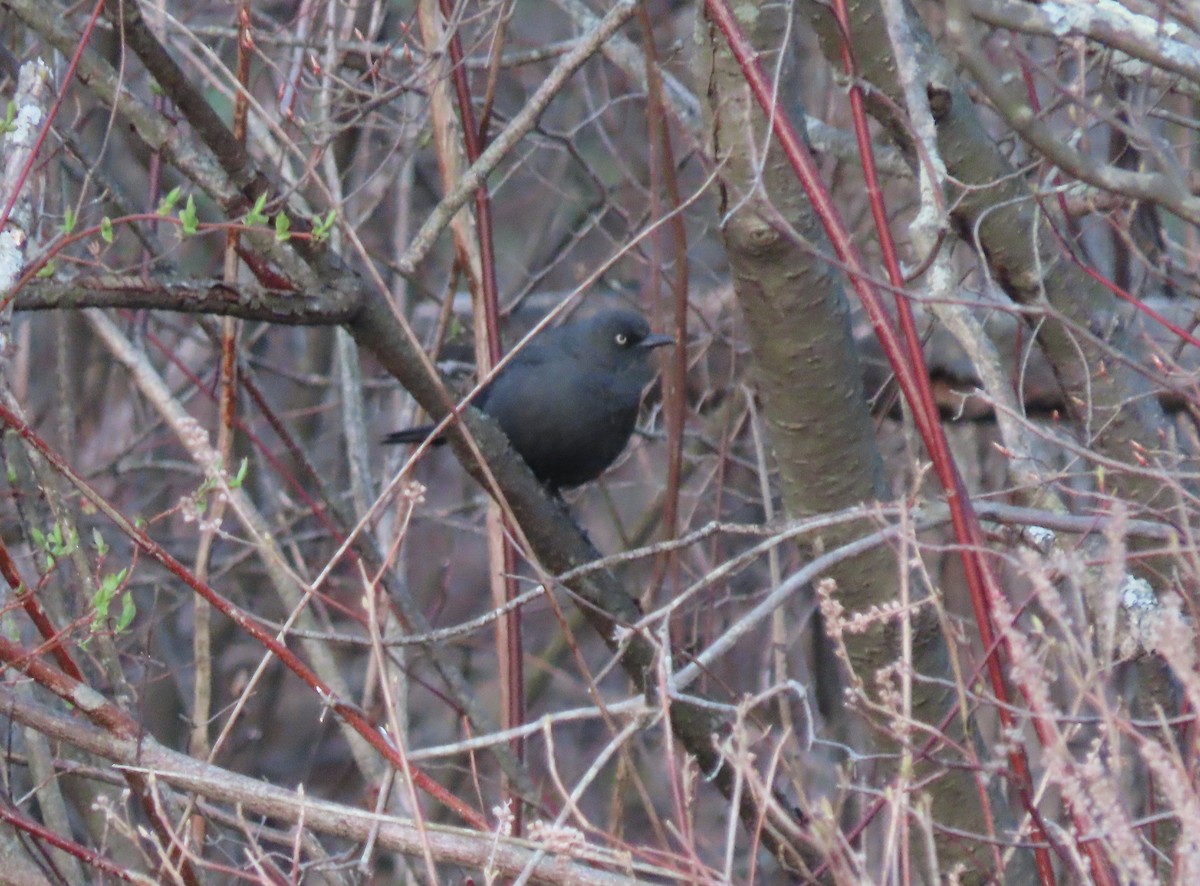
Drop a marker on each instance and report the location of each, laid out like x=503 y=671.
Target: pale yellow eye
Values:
x=621 y=339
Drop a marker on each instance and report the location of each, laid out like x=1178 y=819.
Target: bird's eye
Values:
x=621 y=339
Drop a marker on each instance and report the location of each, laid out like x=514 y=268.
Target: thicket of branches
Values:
x=898 y=584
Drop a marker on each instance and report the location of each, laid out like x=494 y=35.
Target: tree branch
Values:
x=335 y=304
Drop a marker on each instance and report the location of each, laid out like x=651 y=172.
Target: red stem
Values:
x=42 y=833
x=29 y=602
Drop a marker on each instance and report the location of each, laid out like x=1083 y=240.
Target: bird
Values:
x=568 y=401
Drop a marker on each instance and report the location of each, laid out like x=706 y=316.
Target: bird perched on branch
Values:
x=568 y=401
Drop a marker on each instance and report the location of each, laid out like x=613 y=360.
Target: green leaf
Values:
x=323 y=226
x=100 y=604
x=188 y=216
x=46 y=270
x=283 y=228
x=109 y=585
x=56 y=544
x=128 y=611
x=257 y=215
x=167 y=205
x=69 y=221
x=98 y=542
x=10 y=114
x=243 y=468
x=63 y=542
x=106 y=233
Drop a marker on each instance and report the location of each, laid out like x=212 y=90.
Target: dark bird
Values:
x=568 y=401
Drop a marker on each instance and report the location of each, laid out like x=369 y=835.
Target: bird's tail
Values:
x=412 y=435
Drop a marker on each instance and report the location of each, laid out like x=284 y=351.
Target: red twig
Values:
x=87 y=856
x=37 y=615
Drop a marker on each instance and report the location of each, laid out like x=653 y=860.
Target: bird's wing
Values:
x=533 y=358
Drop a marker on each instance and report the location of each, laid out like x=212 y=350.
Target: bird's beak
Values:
x=650 y=342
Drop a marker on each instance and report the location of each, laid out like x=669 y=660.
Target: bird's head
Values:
x=622 y=340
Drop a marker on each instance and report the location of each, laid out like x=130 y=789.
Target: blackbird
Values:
x=568 y=401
